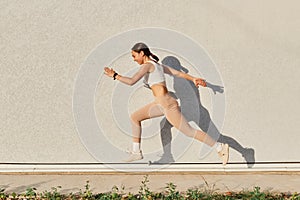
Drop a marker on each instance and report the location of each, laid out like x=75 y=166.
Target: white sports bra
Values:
x=157 y=76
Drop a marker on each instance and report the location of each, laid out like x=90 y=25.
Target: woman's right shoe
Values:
x=224 y=153
x=133 y=156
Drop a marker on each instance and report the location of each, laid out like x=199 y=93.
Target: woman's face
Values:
x=138 y=57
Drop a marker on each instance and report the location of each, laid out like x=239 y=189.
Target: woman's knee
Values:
x=190 y=133
x=186 y=129
x=135 y=117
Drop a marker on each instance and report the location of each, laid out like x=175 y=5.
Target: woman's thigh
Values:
x=150 y=110
x=175 y=117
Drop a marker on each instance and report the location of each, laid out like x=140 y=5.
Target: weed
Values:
x=172 y=193
x=3 y=195
x=194 y=194
x=144 y=191
x=14 y=195
x=115 y=192
x=53 y=194
x=87 y=193
x=30 y=193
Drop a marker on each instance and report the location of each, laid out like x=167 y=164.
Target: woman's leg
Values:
x=149 y=111
x=174 y=116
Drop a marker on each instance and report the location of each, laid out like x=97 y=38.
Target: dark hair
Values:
x=138 y=47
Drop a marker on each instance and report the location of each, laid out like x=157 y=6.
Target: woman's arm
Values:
x=174 y=72
x=128 y=80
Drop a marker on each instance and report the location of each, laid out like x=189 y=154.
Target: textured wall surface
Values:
x=254 y=44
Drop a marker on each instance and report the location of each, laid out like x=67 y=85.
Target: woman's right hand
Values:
x=199 y=81
x=109 y=71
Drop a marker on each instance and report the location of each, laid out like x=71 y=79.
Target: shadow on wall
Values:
x=200 y=116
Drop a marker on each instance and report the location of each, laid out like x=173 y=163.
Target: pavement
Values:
x=130 y=182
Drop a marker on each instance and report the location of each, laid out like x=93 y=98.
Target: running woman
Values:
x=153 y=73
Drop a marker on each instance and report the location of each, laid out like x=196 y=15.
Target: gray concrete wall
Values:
x=254 y=46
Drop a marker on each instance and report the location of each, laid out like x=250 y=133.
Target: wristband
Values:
x=114 y=76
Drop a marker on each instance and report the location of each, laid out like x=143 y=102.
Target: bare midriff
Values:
x=159 y=89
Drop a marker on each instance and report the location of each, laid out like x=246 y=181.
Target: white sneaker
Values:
x=134 y=156
x=224 y=153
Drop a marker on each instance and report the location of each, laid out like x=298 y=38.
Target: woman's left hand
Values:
x=109 y=71
x=199 y=81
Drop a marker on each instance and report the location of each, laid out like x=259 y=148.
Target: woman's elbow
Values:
x=127 y=82
x=131 y=83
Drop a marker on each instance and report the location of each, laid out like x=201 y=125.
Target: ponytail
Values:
x=154 y=57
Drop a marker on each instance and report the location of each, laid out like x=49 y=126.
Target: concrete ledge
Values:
x=72 y=177
x=104 y=182
x=146 y=168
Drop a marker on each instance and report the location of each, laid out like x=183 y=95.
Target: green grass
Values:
x=170 y=192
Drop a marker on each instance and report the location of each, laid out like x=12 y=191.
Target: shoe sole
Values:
x=128 y=161
x=226 y=146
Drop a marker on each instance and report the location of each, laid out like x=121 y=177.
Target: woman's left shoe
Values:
x=134 y=156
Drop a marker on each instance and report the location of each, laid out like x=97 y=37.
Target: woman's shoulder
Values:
x=147 y=64
x=150 y=65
